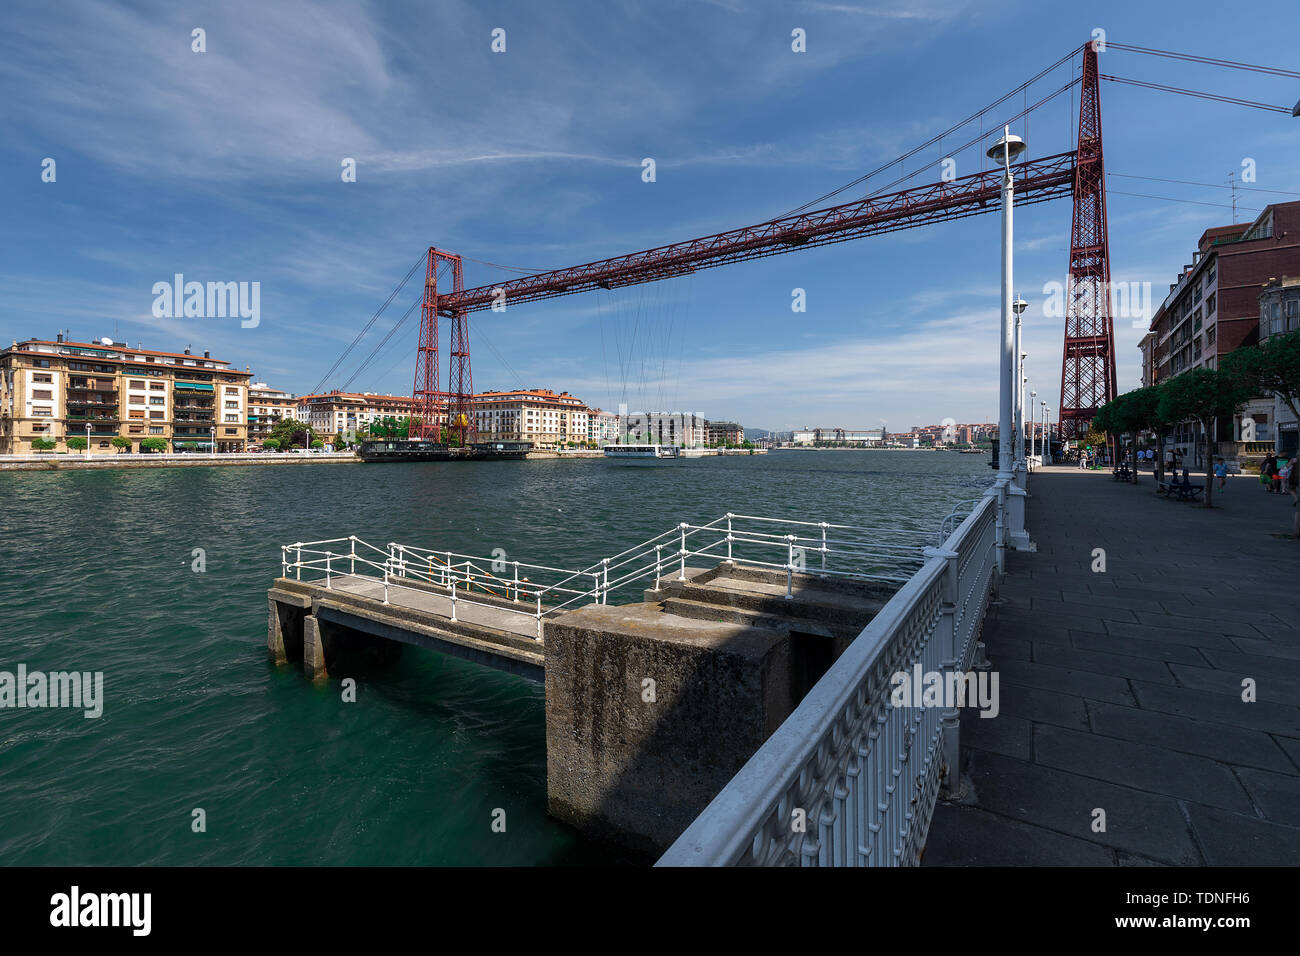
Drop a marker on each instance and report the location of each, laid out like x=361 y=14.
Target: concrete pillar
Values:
x=648 y=716
x=313 y=648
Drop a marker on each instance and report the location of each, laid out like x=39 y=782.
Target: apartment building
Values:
x=266 y=407
x=1215 y=306
x=106 y=390
x=1279 y=313
x=602 y=427
x=547 y=419
x=845 y=436
x=725 y=433
x=684 y=429
x=336 y=416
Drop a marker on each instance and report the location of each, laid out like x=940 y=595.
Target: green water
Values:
x=96 y=575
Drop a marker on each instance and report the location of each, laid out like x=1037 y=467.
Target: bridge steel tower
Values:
x=433 y=406
x=1088 y=359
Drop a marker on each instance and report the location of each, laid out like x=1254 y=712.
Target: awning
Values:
x=196 y=386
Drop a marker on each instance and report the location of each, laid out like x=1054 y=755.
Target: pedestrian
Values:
x=1267 y=471
x=1284 y=467
x=1221 y=472
x=1293 y=486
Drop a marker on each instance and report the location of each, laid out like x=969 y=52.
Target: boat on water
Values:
x=642 y=454
x=417 y=450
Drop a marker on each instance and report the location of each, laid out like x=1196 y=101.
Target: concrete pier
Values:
x=651 y=707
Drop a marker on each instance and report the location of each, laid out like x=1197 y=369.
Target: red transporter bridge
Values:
x=1088 y=360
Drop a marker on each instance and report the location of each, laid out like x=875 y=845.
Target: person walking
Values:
x=1267 y=471
x=1221 y=472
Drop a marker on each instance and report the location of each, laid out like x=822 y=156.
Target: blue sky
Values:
x=225 y=166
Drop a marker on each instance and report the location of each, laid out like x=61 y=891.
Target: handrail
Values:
x=860 y=774
x=845 y=551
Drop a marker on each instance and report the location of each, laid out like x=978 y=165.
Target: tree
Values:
x=271 y=444
x=1204 y=395
x=1271 y=368
x=77 y=443
x=153 y=443
x=291 y=433
x=121 y=443
x=44 y=444
x=317 y=443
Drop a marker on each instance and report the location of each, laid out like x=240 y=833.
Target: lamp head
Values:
x=1008 y=147
x=1019 y=305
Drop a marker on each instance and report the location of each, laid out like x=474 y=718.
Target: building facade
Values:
x=725 y=433
x=547 y=419
x=1215 y=307
x=336 y=416
x=101 y=391
x=683 y=429
x=266 y=407
x=603 y=427
x=1279 y=313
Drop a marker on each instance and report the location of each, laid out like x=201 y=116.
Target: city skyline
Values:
x=903 y=325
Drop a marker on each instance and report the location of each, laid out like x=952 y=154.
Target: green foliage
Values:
x=44 y=444
x=77 y=443
x=291 y=433
x=153 y=443
x=271 y=444
x=1204 y=395
x=121 y=443
x=317 y=443
x=1271 y=368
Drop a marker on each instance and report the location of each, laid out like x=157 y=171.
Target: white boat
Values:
x=641 y=454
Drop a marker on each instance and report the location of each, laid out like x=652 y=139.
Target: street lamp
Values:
x=1011 y=497
x=87 y=439
x=1033 y=425
x=212 y=442
x=1047 y=430
x=1018 y=307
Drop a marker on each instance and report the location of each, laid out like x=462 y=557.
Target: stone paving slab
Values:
x=1130 y=698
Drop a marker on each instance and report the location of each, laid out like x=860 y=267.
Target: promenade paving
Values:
x=1122 y=690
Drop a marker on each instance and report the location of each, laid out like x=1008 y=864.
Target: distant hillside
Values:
x=763 y=434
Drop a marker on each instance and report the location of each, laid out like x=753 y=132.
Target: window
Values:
x=1276 y=317
x=231 y=391
x=1210 y=302
x=1210 y=274
x=137 y=399
x=236 y=405
x=43 y=393
x=157 y=414
x=136 y=413
x=42 y=412
x=137 y=384
x=232 y=418
x=232 y=431
x=155 y=430
x=135 y=429
x=157 y=386
x=157 y=401
x=36 y=377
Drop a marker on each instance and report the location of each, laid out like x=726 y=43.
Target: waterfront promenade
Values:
x=1121 y=690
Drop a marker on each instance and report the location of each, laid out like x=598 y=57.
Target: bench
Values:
x=1179 y=490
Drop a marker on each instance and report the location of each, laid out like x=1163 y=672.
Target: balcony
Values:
x=92 y=418
x=90 y=385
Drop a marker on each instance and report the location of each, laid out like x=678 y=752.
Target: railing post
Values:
x=450 y=576
x=298 y=563
x=539 y=615
x=516 y=597
x=949 y=645
x=386 y=563
x=329 y=568
x=789 y=568
x=681 y=576
x=730 y=560
x=352 y=563
x=595 y=576
x=284 y=560
x=605 y=572
x=453 y=600
x=659 y=558
x=823 y=549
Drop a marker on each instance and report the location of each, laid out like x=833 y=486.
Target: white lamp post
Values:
x=87 y=439
x=1011 y=514
x=1047 y=430
x=1033 y=424
x=212 y=442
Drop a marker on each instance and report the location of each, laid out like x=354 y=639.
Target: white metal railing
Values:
x=538 y=591
x=848 y=779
